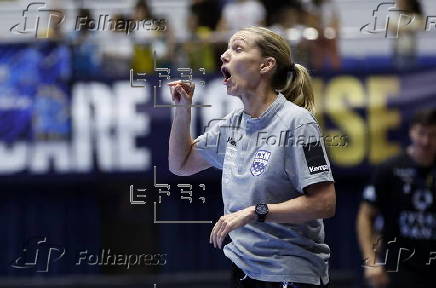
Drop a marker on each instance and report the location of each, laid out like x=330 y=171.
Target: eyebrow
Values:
x=236 y=39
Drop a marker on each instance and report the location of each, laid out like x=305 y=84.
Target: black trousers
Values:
x=238 y=274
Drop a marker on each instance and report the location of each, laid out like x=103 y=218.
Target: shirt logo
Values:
x=259 y=163
x=314 y=154
x=422 y=199
x=317 y=169
x=231 y=141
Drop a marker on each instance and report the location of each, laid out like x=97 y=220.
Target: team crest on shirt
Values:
x=260 y=161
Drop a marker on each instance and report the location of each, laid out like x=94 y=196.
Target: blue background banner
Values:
x=55 y=124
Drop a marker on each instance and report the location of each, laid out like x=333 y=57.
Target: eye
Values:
x=238 y=49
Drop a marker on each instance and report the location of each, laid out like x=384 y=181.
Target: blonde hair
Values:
x=295 y=84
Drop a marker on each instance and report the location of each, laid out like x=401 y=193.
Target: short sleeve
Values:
x=378 y=187
x=212 y=144
x=306 y=162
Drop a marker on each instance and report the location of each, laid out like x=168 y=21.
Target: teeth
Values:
x=226 y=81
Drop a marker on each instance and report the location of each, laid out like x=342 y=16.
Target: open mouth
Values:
x=226 y=74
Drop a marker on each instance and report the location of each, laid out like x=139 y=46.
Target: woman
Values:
x=275 y=193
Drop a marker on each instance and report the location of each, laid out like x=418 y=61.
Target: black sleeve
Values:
x=377 y=192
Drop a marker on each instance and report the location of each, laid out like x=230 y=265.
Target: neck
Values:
x=422 y=160
x=256 y=102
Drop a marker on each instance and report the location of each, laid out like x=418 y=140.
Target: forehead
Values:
x=425 y=128
x=244 y=36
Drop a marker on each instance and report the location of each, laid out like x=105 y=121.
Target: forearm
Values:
x=319 y=201
x=366 y=237
x=308 y=207
x=180 y=138
x=299 y=210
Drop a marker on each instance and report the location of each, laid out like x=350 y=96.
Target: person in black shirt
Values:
x=402 y=194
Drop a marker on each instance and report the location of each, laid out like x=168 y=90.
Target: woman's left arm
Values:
x=319 y=201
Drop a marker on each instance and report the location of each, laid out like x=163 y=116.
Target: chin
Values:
x=232 y=92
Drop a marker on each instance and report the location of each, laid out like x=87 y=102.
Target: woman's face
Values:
x=241 y=64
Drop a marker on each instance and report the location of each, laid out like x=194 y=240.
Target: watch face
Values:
x=261 y=209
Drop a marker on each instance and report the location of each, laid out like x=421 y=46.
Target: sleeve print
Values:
x=369 y=194
x=378 y=187
x=306 y=162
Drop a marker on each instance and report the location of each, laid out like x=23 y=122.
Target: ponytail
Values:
x=298 y=88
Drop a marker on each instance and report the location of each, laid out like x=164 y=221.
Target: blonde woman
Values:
x=275 y=193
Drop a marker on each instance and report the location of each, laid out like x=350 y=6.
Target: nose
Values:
x=225 y=57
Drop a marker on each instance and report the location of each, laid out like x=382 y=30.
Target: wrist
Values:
x=183 y=113
x=183 y=110
x=261 y=210
x=370 y=260
x=251 y=213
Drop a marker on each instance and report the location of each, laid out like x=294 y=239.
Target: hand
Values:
x=376 y=276
x=182 y=92
x=229 y=223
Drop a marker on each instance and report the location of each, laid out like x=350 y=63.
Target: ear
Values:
x=267 y=65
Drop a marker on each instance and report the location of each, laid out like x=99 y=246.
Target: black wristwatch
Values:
x=261 y=211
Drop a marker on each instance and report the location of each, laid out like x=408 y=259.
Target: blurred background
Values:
x=87 y=199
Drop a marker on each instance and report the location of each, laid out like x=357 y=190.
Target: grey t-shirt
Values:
x=271 y=159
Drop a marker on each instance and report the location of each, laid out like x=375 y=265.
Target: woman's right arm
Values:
x=183 y=159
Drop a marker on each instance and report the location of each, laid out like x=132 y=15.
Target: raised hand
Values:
x=182 y=92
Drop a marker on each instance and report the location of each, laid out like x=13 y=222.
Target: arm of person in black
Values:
x=374 y=201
